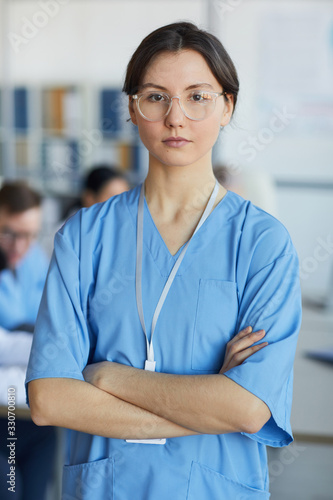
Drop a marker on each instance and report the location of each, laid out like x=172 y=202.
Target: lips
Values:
x=176 y=142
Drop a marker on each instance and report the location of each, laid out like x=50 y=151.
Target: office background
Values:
x=62 y=63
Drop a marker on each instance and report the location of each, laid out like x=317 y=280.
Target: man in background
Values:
x=22 y=276
x=21 y=284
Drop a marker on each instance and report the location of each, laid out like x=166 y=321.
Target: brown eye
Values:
x=156 y=97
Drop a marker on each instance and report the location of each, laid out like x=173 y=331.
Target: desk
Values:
x=312 y=411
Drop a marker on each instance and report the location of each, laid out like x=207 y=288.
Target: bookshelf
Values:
x=52 y=134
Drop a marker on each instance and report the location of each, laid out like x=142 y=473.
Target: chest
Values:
x=197 y=319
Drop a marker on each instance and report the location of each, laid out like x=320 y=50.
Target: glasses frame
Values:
x=9 y=237
x=138 y=97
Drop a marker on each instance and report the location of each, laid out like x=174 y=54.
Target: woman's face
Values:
x=175 y=73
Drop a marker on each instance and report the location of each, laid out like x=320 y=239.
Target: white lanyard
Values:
x=150 y=362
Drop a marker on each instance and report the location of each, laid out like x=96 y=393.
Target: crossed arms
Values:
x=123 y=402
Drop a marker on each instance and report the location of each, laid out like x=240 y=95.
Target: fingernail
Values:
x=260 y=333
x=249 y=329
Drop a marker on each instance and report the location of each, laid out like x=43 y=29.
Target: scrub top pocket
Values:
x=215 y=322
x=207 y=483
x=92 y=480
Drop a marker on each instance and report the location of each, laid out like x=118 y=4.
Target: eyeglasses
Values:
x=9 y=237
x=196 y=105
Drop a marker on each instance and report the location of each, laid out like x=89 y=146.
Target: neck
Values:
x=170 y=190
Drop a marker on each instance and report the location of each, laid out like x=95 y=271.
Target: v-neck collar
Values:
x=156 y=245
x=152 y=223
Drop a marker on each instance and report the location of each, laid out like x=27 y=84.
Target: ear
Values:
x=228 y=109
x=131 y=110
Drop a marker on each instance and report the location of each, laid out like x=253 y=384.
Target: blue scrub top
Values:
x=21 y=290
x=240 y=269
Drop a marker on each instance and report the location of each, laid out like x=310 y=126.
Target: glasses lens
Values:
x=198 y=105
x=154 y=105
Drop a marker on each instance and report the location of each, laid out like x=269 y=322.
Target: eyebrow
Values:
x=160 y=87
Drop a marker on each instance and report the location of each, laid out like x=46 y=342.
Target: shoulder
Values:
x=262 y=237
x=90 y=222
x=36 y=256
x=34 y=265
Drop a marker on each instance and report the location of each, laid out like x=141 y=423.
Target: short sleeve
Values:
x=271 y=300
x=61 y=341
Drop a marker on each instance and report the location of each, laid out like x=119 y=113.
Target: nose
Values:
x=175 y=117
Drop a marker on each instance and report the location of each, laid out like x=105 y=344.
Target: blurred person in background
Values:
x=21 y=284
x=22 y=276
x=101 y=183
x=254 y=184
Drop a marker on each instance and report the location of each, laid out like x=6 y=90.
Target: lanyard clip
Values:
x=150 y=365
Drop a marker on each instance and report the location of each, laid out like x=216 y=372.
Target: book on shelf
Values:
x=72 y=112
x=114 y=114
x=1 y=160
x=122 y=155
x=60 y=160
x=22 y=152
x=140 y=159
x=61 y=111
x=125 y=155
x=21 y=109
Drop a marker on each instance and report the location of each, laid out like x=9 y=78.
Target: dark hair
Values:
x=99 y=176
x=174 y=38
x=17 y=197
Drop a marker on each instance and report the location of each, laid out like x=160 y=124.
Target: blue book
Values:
x=20 y=109
x=111 y=103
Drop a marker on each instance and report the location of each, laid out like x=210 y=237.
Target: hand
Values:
x=241 y=347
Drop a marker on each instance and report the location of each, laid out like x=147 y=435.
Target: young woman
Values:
x=135 y=346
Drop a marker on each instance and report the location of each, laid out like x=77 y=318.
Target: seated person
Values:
x=22 y=282
x=22 y=276
x=100 y=184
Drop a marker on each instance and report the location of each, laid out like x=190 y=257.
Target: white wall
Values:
x=84 y=41
x=284 y=54
x=283 y=51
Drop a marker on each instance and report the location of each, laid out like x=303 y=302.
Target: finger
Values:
x=241 y=356
x=245 y=342
x=243 y=333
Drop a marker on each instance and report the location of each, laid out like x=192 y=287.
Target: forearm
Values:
x=210 y=404
x=77 y=405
